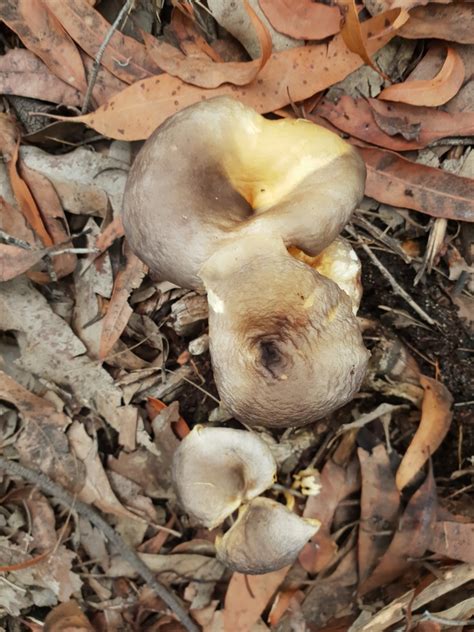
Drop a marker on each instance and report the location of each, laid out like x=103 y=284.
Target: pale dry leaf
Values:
x=50 y=349
x=85 y=181
x=402 y=183
x=96 y=489
x=124 y=56
x=41 y=33
x=15 y=260
x=53 y=217
x=452 y=23
x=131 y=495
x=119 y=311
x=206 y=72
x=55 y=573
x=174 y=568
x=411 y=538
x=454 y=540
x=380 y=502
x=92 y=280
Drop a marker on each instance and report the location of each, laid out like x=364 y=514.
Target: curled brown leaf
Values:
x=435 y=421
x=431 y=92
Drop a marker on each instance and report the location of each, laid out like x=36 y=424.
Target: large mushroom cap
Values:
x=214 y=470
x=286 y=346
x=218 y=169
x=213 y=200
x=265 y=537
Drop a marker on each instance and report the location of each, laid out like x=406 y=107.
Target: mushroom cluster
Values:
x=224 y=201
x=219 y=470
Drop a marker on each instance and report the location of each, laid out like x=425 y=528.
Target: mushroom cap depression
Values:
x=265 y=537
x=218 y=170
x=215 y=470
x=214 y=199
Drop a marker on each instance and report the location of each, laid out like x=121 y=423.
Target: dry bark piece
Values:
x=266 y=537
x=214 y=470
x=276 y=184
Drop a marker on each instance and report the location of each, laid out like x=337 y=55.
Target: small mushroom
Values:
x=265 y=537
x=215 y=470
x=214 y=199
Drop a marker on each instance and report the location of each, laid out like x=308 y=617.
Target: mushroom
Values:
x=213 y=201
x=214 y=470
x=265 y=537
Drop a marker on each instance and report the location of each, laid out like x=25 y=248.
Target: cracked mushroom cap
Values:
x=214 y=199
x=215 y=470
x=265 y=537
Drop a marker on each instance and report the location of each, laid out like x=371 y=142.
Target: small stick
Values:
x=100 y=53
x=391 y=279
x=46 y=485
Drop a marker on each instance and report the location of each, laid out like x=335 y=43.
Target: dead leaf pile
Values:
x=104 y=369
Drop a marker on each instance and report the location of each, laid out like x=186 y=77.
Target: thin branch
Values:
x=46 y=485
x=397 y=288
x=100 y=53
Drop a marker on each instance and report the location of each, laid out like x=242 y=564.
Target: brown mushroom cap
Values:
x=213 y=200
x=214 y=470
x=265 y=537
x=217 y=170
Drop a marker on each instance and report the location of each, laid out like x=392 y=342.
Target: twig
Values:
x=391 y=279
x=100 y=53
x=48 y=486
x=5 y=238
x=388 y=241
x=452 y=141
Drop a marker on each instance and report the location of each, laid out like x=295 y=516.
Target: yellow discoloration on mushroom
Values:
x=266 y=160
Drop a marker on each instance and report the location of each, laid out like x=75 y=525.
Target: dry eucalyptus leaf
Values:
x=96 y=489
x=235 y=19
x=85 y=181
x=435 y=421
x=175 y=568
x=50 y=349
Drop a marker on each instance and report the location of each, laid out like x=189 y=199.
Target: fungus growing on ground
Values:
x=265 y=537
x=218 y=470
x=215 y=470
x=214 y=200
